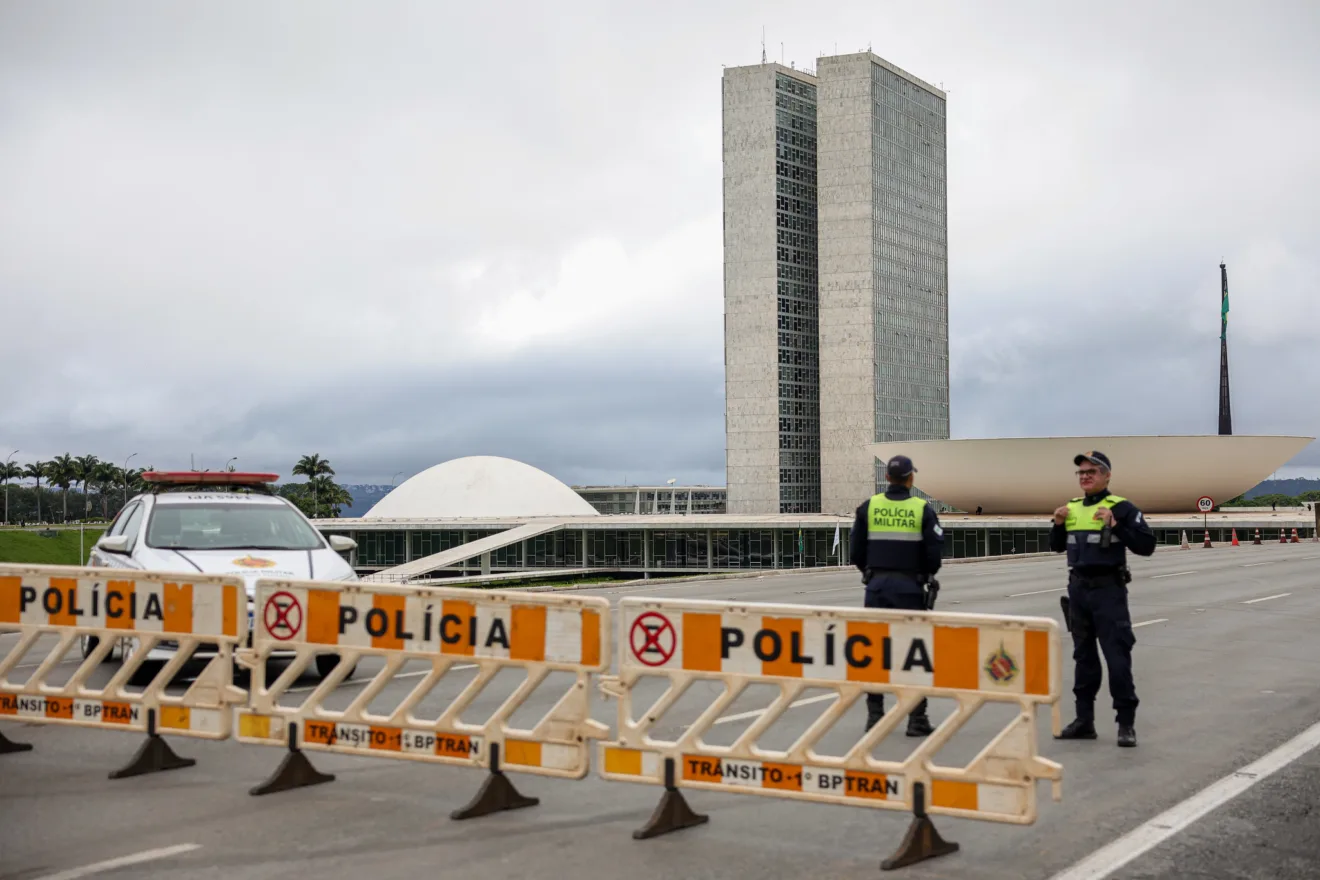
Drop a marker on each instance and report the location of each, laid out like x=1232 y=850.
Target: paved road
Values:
x=1226 y=667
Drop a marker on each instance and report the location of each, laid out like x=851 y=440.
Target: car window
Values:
x=228 y=526
x=117 y=527
x=131 y=526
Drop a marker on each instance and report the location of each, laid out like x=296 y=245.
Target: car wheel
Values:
x=326 y=663
x=87 y=644
x=147 y=669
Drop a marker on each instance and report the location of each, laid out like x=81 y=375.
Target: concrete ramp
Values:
x=470 y=550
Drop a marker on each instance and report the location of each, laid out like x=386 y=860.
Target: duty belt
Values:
x=1093 y=580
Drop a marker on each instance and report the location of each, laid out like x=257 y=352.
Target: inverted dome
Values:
x=480 y=486
x=1161 y=474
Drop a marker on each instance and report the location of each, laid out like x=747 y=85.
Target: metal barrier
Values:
x=974 y=659
x=51 y=608
x=491 y=631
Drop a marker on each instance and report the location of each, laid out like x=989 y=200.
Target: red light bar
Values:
x=216 y=477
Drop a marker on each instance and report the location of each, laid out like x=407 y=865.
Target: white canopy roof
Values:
x=480 y=486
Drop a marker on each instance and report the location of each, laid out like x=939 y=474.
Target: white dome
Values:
x=480 y=486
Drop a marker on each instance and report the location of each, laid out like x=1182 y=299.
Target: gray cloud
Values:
x=402 y=232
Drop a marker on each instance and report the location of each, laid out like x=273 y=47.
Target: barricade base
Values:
x=921 y=841
x=497 y=793
x=295 y=771
x=672 y=813
x=9 y=747
x=153 y=756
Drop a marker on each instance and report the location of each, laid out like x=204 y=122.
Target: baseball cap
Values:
x=899 y=467
x=1094 y=457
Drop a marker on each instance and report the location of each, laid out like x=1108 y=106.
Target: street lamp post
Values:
x=227 y=467
x=7 y=461
x=126 y=461
x=393 y=478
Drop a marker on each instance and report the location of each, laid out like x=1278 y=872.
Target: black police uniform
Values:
x=1098 y=608
x=895 y=572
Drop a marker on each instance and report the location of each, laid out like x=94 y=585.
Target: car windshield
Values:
x=222 y=526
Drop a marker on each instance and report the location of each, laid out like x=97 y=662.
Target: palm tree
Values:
x=9 y=470
x=83 y=469
x=335 y=495
x=36 y=471
x=60 y=472
x=311 y=467
x=105 y=475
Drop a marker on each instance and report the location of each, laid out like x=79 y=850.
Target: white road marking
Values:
x=830 y=590
x=1108 y=859
x=757 y=713
x=1037 y=592
x=149 y=855
x=1149 y=622
x=1266 y=598
x=1156 y=577
x=1254 y=564
x=357 y=681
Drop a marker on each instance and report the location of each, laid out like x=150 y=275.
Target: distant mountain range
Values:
x=1292 y=487
x=365 y=497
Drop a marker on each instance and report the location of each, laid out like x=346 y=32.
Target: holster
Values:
x=932 y=589
x=1067 y=613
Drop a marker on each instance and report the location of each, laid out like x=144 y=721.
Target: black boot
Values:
x=919 y=725
x=1127 y=736
x=1079 y=729
x=873 y=718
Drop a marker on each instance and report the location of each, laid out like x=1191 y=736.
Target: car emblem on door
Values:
x=251 y=561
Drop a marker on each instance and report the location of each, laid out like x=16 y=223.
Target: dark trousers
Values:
x=1099 y=614
x=893 y=591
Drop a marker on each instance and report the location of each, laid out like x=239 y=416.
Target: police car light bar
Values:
x=222 y=478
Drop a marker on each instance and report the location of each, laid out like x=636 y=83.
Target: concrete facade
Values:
x=835 y=278
x=884 y=367
x=751 y=283
x=847 y=283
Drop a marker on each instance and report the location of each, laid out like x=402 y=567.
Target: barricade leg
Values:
x=295 y=771
x=672 y=813
x=8 y=746
x=922 y=841
x=154 y=756
x=497 y=793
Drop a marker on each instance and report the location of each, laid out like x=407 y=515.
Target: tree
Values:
x=36 y=471
x=311 y=467
x=331 y=494
x=105 y=475
x=9 y=470
x=60 y=472
x=84 y=467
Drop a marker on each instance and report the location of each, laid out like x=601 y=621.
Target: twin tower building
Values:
x=836 y=280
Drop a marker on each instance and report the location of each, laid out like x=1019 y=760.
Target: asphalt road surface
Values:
x=1227 y=669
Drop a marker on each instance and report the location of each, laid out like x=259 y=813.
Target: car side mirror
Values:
x=340 y=544
x=113 y=543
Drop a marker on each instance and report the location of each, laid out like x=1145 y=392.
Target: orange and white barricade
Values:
x=974 y=659
x=540 y=633
x=52 y=612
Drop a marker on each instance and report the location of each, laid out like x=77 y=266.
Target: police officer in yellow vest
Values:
x=1097 y=530
x=897 y=543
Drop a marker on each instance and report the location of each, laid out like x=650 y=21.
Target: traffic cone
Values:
x=1235 y=540
x=1257 y=541
x=1207 y=539
x=1185 y=545
x=1283 y=536
x=1294 y=538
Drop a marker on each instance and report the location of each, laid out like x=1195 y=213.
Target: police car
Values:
x=223 y=524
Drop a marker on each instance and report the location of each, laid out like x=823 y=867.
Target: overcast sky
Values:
x=395 y=233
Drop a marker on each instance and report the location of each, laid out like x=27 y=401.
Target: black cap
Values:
x=1094 y=458
x=899 y=467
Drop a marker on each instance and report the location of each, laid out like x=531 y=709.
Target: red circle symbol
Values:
x=652 y=639
x=1205 y=504
x=282 y=615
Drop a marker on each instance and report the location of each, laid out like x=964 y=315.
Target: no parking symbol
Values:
x=283 y=616
x=652 y=639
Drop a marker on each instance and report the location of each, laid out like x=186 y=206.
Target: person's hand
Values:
x=1106 y=516
x=1061 y=515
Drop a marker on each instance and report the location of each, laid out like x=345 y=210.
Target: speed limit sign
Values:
x=1205 y=504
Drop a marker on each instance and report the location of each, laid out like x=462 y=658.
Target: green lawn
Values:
x=30 y=547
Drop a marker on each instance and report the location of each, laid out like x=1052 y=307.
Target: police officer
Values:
x=1097 y=530
x=897 y=543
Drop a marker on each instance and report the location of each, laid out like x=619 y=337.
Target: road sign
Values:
x=652 y=639
x=1205 y=504
x=282 y=616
